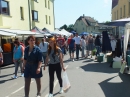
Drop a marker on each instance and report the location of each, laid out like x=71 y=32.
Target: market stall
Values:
x=7 y=38
x=6 y=42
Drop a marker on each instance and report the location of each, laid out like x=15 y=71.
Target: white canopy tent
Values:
x=64 y=32
x=126 y=38
x=55 y=32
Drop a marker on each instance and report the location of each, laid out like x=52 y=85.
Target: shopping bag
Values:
x=66 y=83
x=123 y=67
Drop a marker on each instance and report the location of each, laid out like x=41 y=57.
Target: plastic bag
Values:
x=66 y=83
x=123 y=67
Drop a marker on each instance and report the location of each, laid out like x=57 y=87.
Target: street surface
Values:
x=87 y=78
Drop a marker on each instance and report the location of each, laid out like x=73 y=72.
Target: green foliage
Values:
x=68 y=28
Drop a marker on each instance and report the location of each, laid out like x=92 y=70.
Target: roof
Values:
x=87 y=20
x=114 y=3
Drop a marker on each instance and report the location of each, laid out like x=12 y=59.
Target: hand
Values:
x=14 y=60
x=63 y=68
x=23 y=69
x=44 y=68
x=38 y=71
x=1 y=62
x=21 y=59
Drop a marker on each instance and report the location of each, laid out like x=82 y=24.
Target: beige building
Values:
x=120 y=9
x=86 y=24
x=26 y=14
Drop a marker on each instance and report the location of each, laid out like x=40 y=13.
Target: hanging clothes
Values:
x=106 y=45
x=118 y=48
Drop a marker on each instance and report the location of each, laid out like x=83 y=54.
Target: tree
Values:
x=68 y=28
x=64 y=27
x=107 y=22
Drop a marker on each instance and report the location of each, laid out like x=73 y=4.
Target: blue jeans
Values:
x=17 y=64
x=77 y=51
x=98 y=48
x=44 y=54
x=83 y=48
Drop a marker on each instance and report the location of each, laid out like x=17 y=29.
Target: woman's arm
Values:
x=46 y=61
x=61 y=61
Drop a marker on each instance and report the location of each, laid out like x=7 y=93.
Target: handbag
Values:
x=123 y=66
x=66 y=83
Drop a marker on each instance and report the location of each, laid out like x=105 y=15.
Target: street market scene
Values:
x=55 y=48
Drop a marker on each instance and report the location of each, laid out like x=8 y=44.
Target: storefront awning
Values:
x=6 y=33
x=19 y=32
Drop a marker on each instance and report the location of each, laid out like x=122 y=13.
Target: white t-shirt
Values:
x=77 y=40
x=45 y=47
x=113 y=45
x=83 y=42
x=1 y=50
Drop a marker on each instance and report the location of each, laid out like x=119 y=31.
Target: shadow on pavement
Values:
x=67 y=61
x=1 y=76
x=99 y=67
x=3 y=81
x=56 y=94
x=90 y=60
x=117 y=89
x=6 y=67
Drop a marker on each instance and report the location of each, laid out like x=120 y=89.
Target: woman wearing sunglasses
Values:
x=55 y=64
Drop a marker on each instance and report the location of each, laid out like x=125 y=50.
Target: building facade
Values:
x=120 y=9
x=26 y=14
x=86 y=24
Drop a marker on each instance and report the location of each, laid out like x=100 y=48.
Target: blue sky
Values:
x=67 y=11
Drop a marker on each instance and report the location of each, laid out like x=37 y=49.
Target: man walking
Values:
x=44 y=47
x=61 y=44
x=71 y=44
x=78 y=43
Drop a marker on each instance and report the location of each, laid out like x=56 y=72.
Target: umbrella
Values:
x=84 y=33
x=73 y=32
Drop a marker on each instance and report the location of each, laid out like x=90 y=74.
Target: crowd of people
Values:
x=51 y=52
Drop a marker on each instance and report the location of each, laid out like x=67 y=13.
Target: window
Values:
x=49 y=20
x=117 y=14
x=46 y=19
x=124 y=10
x=45 y=4
x=35 y=15
x=5 y=7
x=120 y=12
x=129 y=7
x=48 y=4
x=21 y=12
x=36 y=0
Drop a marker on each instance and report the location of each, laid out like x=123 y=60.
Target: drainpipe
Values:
x=29 y=15
x=53 y=14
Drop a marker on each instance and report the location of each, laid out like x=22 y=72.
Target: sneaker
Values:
x=61 y=90
x=73 y=60
x=22 y=75
x=50 y=95
x=14 y=77
x=38 y=95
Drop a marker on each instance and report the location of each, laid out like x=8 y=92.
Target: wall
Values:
x=14 y=19
x=121 y=4
x=42 y=11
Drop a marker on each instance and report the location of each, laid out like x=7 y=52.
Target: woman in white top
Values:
x=83 y=44
x=113 y=46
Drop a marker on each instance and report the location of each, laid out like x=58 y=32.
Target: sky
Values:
x=68 y=11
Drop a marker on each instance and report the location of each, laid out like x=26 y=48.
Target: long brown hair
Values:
x=55 y=46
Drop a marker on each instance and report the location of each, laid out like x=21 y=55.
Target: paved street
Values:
x=87 y=78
